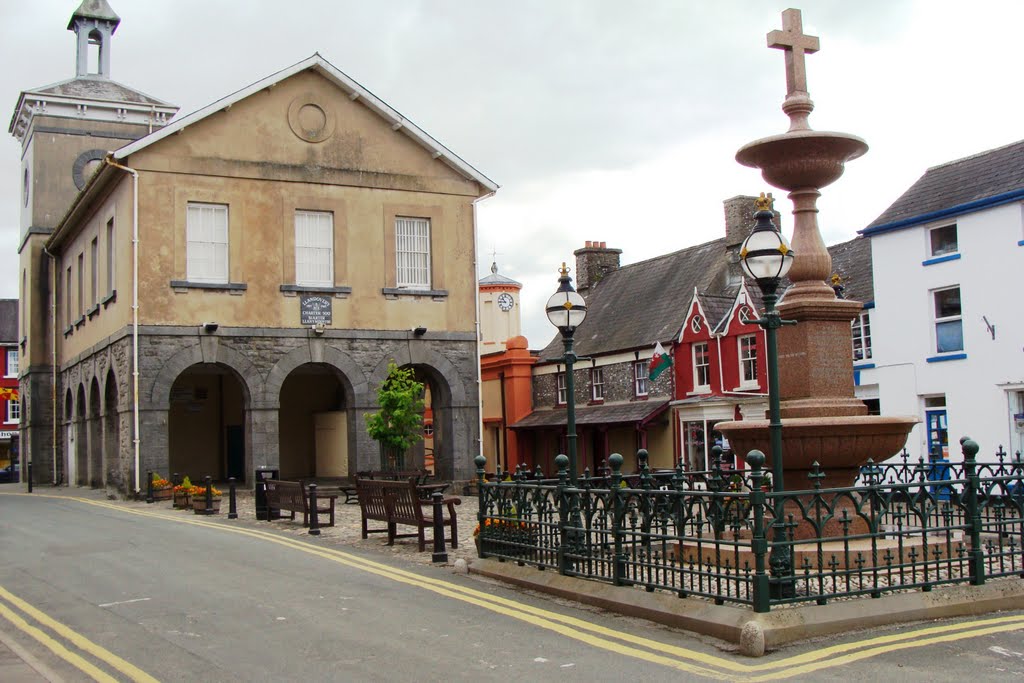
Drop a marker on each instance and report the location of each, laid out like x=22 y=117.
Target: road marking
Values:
x=628 y=645
x=123 y=602
x=1006 y=653
x=78 y=640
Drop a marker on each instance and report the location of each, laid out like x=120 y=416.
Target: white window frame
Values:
x=314 y=248
x=860 y=328
x=110 y=256
x=14 y=411
x=945 y=320
x=698 y=367
x=640 y=377
x=597 y=384
x=81 y=284
x=932 y=252
x=206 y=236
x=12 y=363
x=746 y=352
x=560 y=392
x=412 y=252
x=94 y=269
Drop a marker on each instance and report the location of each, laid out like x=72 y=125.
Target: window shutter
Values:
x=207 y=251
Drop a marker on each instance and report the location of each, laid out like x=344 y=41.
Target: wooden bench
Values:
x=422 y=477
x=293 y=496
x=399 y=502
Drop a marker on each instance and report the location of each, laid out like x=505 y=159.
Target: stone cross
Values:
x=792 y=39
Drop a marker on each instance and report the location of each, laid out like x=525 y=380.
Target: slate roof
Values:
x=955 y=184
x=616 y=413
x=96 y=88
x=717 y=306
x=9 y=321
x=852 y=262
x=643 y=303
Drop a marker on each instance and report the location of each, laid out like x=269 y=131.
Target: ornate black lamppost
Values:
x=766 y=258
x=566 y=310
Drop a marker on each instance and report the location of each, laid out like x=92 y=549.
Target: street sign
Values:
x=315 y=310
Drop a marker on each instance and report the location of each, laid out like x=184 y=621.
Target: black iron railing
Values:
x=900 y=526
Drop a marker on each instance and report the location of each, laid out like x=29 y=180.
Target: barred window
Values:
x=412 y=247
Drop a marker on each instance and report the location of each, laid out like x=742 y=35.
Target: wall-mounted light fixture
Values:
x=210 y=328
x=420 y=331
x=318 y=329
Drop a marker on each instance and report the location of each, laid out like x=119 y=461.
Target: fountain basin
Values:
x=840 y=445
x=803 y=158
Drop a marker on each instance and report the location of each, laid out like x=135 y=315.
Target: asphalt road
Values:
x=105 y=591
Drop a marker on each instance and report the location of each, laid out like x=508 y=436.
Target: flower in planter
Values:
x=185 y=486
x=160 y=483
x=200 y=491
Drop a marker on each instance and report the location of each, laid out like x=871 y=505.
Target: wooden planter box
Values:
x=163 y=494
x=199 y=505
x=182 y=501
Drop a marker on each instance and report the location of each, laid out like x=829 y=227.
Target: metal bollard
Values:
x=440 y=554
x=208 y=480
x=29 y=476
x=232 y=511
x=314 y=518
x=149 y=486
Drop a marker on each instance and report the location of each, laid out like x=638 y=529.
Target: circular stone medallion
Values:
x=309 y=119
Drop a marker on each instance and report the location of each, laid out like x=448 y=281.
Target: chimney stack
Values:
x=739 y=220
x=593 y=261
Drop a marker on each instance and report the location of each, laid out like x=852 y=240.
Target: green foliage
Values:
x=399 y=423
x=186 y=483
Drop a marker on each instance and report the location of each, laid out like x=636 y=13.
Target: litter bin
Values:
x=263 y=511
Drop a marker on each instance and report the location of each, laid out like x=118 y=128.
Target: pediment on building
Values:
x=309 y=122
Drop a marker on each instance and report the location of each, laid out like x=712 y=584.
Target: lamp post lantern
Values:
x=766 y=258
x=566 y=310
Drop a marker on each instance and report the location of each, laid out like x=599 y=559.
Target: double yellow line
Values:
x=618 y=642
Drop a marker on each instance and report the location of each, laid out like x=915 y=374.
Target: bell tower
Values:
x=499 y=311
x=66 y=129
x=94 y=23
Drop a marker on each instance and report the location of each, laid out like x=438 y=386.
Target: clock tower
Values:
x=498 y=297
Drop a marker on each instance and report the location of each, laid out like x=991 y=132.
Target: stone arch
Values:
x=220 y=354
x=81 y=450
x=95 y=435
x=448 y=404
x=113 y=473
x=354 y=379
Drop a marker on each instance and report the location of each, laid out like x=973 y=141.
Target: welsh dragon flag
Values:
x=659 y=362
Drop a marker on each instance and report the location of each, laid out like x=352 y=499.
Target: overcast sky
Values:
x=600 y=119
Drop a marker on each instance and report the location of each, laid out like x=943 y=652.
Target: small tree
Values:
x=399 y=423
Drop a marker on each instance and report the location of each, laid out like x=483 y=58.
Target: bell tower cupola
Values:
x=94 y=23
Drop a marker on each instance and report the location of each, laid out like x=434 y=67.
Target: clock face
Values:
x=505 y=301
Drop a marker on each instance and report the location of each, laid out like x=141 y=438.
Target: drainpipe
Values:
x=53 y=361
x=135 y=309
x=476 y=326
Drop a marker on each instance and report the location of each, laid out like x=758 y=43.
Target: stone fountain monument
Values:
x=822 y=419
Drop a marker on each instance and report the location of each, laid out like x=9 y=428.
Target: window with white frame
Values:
x=949 y=331
x=942 y=240
x=861 y=327
x=94 y=270
x=81 y=284
x=560 y=388
x=597 y=384
x=12 y=363
x=412 y=252
x=14 y=410
x=314 y=248
x=640 y=377
x=748 y=359
x=110 y=256
x=207 y=247
x=701 y=366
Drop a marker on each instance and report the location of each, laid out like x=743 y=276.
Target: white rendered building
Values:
x=948 y=339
